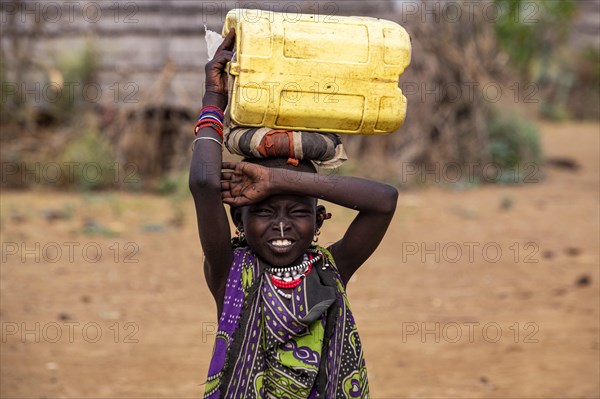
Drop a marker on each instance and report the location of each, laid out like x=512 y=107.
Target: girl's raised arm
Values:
x=374 y=201
x=205 y=175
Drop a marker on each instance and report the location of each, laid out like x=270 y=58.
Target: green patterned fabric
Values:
x=307 y=348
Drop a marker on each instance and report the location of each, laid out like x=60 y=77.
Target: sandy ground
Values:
x=482 y=293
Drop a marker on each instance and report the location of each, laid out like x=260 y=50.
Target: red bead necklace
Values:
x=280 y=283
x=290 y=284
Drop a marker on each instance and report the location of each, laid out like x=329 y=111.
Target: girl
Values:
x=285 y=328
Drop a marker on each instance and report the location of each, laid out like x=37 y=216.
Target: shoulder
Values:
x=329 y=262
x=341 y=264
x=240 y=274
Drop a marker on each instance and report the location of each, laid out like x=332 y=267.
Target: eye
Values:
x=301 y=212
x=262 y=211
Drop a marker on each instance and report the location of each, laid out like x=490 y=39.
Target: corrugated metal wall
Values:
x=154 y=51
x=149 y=51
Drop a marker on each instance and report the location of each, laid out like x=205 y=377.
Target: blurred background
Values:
x=486 y=285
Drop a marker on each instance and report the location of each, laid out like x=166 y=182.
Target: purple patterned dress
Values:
x=267 y=348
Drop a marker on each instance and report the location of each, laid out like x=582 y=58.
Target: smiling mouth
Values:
x=281 y=243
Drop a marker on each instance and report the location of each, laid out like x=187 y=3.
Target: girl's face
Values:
x=281 y=228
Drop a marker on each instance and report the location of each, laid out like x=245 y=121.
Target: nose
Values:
x=280 y=226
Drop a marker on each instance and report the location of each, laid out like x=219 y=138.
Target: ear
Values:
x=322 y=215
x=236 y=216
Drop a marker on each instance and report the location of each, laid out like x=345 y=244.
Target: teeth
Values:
x=281 y=243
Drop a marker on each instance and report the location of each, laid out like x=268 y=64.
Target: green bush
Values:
x=534 y=34
x=514 y=146
x=529 y=30
x=88 y=163
x=77 y=70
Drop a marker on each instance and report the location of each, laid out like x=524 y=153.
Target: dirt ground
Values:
x=490 y=292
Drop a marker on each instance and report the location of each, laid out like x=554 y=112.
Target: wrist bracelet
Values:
x=214 y=117
x=206 y=122
x=206 y=138
x=211 y=108
x=215 y=126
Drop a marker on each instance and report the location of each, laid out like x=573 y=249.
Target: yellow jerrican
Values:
x=316 y=72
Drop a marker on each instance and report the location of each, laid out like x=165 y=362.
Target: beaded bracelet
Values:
x=205 y=122
x=211 y=108
x=210 y=116
x=209 y=123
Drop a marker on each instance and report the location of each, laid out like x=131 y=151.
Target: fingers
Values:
x=226 y=194
x=225 y=186
x=233 y=201
x=222 y=58
x=224 y=52
x=227 y=176
x=229 y=165
x=216 y=68
x=229 y=201
x=232 y=188
x=228 y=42
x=216 y=77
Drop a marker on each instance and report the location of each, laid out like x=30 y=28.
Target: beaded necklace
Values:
x=291 y=277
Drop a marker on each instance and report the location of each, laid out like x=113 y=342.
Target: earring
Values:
x=316 y=236
x=239 y=232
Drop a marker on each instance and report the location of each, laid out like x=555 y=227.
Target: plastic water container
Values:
x=317 y=73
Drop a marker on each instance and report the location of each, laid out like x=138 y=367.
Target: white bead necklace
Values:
x=283 y=294
x=292 y=273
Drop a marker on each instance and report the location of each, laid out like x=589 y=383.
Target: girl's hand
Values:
x=247 y=184
x=216 y=83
